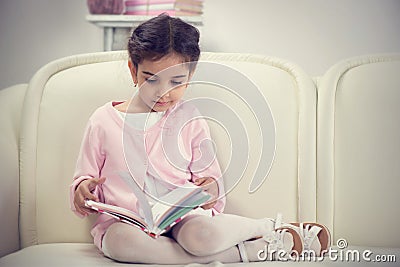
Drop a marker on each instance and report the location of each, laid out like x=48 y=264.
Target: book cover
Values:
x=156 y=7
x=148 y=2
x=187 y=7
x=150 y=7
x=158 y=12
x=190 y=2
x=152 y=2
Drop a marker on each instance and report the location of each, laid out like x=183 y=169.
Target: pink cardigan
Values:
x=102 y=155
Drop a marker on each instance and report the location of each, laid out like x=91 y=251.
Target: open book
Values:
x=157 y=219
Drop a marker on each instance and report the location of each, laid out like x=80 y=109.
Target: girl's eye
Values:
x=176 y=82
x=149 y=80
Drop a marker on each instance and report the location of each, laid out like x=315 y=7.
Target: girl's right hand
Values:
x=84 y=192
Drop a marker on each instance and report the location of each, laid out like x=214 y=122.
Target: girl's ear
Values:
x=133 y=71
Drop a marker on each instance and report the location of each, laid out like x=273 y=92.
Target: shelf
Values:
x=116 y=28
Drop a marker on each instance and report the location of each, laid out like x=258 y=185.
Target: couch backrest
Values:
x=358 y=148
x=11 y=100
x=62 y=95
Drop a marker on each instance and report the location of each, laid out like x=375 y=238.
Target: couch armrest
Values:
x=11 y=101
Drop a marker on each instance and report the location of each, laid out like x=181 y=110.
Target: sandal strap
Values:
x=309 y=233
x=242 y=252
x=275 y=239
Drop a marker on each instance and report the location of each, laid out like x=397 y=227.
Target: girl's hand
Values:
x=210 y=186
x=83 y=192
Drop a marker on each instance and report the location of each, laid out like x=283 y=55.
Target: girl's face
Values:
x=162 y=83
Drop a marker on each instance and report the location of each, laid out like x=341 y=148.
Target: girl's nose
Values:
x=163 y=93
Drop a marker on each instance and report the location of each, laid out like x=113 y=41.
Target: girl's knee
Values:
x=200 y=236
x=122 y=243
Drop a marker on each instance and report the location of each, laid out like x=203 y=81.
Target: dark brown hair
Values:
x=162 y=35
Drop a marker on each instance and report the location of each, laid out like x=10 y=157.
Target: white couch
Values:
x=336 y=159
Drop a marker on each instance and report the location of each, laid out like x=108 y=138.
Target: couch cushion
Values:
x=60 y=254
x=68 y=255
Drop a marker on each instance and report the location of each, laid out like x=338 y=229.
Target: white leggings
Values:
x=196 y=238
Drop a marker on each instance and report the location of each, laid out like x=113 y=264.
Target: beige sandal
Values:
x=309 y=231
x=298 y=243
x=275 y=241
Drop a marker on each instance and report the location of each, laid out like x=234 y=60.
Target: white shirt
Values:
x=154 y=188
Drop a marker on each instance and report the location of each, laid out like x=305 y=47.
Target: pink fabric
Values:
x=102 y=155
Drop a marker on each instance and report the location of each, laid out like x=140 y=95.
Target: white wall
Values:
x=34 y=32
x=312 y=33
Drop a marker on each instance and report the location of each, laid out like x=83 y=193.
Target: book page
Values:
x=174 y=198
x=141 y=198
x=178 y=212
x=182 y=198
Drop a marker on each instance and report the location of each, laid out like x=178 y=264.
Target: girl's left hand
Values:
x=210 y=186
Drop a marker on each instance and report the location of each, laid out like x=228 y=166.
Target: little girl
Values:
x=163 y=55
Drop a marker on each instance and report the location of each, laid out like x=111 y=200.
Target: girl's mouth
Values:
x=161 y=103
